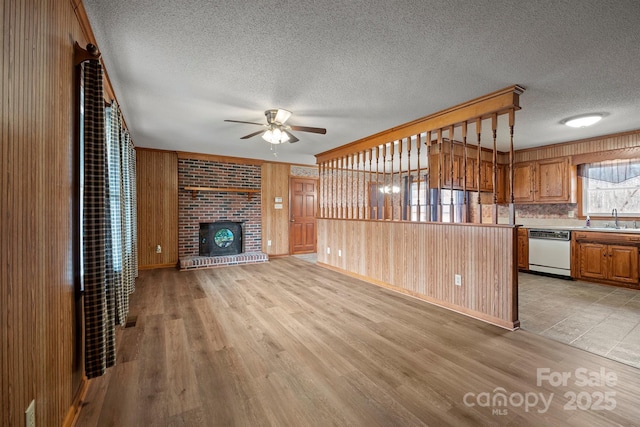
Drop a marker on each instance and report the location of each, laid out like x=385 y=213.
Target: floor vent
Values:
x=131 y=322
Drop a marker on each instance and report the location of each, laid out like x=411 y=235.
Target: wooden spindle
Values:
x=350 y=214
x=451 y=174
x=427 y=143
x=335 y=188
x=368 y=195
x=465 y=205
x=440 y=177
x=392 y=150
x=494 y=128
x=512 y=210
x=418 y=144
x=408 y=189
x=384 y=181
x=321 y=188
x=479 y=167
x=377 y=182
x=400 y=211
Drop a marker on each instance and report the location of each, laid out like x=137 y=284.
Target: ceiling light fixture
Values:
x=275 y=135
x=583 y=120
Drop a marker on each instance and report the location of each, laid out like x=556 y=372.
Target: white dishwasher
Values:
x=550 y=251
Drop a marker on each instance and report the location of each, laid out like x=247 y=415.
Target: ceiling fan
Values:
x=277 y=131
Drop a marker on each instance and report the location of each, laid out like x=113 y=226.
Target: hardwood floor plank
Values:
x=289 y=343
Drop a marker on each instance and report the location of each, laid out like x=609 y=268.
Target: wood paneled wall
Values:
x=421 y=259
x=275 y=222
x=157 y=190
x=584 y=146
x=38 y=332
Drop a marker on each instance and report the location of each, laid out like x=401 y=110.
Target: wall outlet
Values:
x=158 y=249
x=268 y=242
x=339 y=252
x=328 y=250
x=30 y=415
x=457 y=280
x=572 y=214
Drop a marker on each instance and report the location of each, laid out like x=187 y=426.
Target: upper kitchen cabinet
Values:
x=543 y=181
x=472 y=172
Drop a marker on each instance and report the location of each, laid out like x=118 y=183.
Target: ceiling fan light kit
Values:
x=275 y=135
x=277 y=131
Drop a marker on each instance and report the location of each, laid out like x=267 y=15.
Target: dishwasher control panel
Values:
x=537 y=233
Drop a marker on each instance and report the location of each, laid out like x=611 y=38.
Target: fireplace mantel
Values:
x=249 y=191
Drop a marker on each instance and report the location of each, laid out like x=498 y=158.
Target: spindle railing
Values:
x=390 y=176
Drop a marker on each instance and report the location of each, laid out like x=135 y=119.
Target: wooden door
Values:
x=302 y=230
x=593 y=260
x=552 y=179
x=523 y=182
x=623 y=264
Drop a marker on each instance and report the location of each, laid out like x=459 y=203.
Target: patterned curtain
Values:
x=109 y=218
x=123 y=213
x=97 y=239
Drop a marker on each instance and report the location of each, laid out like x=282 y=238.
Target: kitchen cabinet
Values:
x=523 y=249
x=523 y=182
x=608 y=257
x=471 y=172
x=543 y=181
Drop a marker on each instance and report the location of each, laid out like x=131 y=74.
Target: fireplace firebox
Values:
x=220 y=238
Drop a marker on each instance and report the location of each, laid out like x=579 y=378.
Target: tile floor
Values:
x=601 y=319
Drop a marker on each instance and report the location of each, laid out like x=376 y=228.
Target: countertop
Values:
x=583 y=228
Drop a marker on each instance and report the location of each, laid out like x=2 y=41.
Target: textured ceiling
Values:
x=357 y=67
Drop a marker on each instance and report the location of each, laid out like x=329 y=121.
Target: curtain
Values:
x=124 y=212
x=98 y=296
x=109 y=223
x=615 y=171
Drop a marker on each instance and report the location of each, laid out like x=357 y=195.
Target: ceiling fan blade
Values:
x=292 y=138
x=282 y=116
x=308 y=129
x=252 y=134
x=249 y=123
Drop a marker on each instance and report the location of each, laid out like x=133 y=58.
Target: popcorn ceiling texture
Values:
x=358 y=67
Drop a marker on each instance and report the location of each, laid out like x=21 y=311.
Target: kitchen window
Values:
x=609 y=185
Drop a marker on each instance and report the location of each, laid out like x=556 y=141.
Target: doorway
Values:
x=302 y=217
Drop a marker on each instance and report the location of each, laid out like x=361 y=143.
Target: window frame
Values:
x=582 y=214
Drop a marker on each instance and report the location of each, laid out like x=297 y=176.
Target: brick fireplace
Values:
x=214 y=206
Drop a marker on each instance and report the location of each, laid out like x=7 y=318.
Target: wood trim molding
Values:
x=72 y=415
x=580 y=141
x=85 y=26
x=154 y=266
x=497 y=102
x=217 y=158
x=622 y=153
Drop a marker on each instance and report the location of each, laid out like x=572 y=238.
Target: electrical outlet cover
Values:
x=30 y=415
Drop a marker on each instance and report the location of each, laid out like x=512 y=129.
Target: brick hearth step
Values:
x=194 y=262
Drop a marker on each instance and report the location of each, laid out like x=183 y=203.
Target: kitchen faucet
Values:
x=614 y=213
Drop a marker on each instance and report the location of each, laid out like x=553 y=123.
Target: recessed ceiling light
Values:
x=582 y=121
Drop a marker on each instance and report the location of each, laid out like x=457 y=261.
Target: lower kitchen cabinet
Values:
x=623 y=264
x=608 y=261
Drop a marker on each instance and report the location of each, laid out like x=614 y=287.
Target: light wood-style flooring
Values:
x=288 y=343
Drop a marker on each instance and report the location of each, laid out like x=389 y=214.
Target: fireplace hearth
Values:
x=220 y=238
